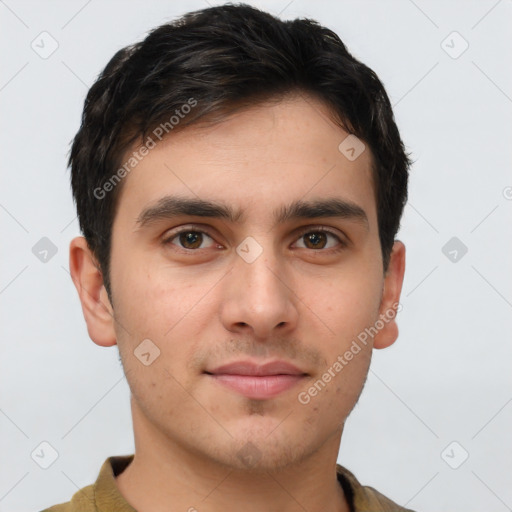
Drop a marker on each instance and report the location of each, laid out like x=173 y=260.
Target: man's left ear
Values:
x=390 y=297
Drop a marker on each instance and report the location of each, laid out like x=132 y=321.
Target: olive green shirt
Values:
x=104 y=496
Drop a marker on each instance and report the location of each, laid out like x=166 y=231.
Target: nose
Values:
x=258 y=301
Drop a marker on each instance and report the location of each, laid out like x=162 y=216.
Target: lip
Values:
x=257 y=381
x=251 y=368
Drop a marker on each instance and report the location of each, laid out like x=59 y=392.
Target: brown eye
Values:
x=318 y=239
x=188 y=239
x=315 y=240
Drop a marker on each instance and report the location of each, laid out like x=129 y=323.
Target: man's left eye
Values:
x=318 y=239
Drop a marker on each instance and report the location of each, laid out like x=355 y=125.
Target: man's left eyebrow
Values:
x=318 y=208
x=169 y=207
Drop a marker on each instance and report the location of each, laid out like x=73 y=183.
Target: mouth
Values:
x=257 y=381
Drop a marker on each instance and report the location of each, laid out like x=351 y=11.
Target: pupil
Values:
x=314 y=238
x=190 y=238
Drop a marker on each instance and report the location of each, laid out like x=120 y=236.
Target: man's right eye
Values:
x=188 y=239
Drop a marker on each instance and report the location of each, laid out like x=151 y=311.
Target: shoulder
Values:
x=82 y=501
x=102 y=494
x=364 y=498
x=371 y=499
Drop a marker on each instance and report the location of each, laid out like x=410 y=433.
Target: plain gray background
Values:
x=448 y=377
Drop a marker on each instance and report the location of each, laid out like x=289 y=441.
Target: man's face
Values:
x=246 y=290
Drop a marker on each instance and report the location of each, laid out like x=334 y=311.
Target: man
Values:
x=239 y=182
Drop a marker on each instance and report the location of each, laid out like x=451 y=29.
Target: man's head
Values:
x=239 y=181
x=201 y=68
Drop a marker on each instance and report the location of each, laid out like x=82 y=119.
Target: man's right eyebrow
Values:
x=169 y=207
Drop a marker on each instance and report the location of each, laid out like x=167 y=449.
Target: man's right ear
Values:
x=88 y=280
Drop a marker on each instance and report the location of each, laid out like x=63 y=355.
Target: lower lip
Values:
x=258 y=388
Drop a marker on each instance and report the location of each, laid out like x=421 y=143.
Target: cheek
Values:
x=347 y=304
x=330 y=396
x=166 y=308
x=153 y=297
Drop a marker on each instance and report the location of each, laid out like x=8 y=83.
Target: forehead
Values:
x=257 y=160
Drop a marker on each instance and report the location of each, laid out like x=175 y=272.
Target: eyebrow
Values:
x=170 y=206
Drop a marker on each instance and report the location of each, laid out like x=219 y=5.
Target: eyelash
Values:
x=307 y=230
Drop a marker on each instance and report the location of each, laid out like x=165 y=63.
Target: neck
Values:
x=166 y=476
